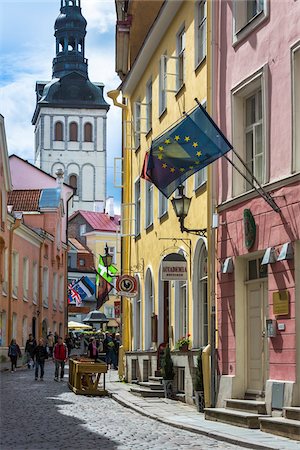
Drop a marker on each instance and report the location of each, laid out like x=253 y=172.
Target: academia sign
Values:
x=174 y=268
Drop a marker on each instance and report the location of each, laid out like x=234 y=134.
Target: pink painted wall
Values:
x=269 y=44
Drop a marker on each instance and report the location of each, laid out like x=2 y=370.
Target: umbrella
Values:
x=79 y=326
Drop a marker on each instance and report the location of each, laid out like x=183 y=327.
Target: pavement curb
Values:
x=211 y=434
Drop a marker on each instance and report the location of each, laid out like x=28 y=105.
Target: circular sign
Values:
x=126 y=285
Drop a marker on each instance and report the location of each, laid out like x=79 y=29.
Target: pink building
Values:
x=257 y=93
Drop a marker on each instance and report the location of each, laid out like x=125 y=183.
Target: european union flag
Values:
x=189 y=146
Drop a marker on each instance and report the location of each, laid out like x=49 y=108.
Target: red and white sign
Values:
x=126 y=285
x=117 y=305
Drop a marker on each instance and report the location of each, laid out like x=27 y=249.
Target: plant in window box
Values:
x=183 y=343
x=199 y=384
x=167 y=371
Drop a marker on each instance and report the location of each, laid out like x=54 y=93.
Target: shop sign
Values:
x=174 y=268
x=78 y=309
x=126 y=285
x=281 y=303
x=117 y=306
x=249 y=229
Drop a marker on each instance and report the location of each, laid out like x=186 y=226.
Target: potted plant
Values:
x=183 y=343
x=199 y=385
x=168 y=374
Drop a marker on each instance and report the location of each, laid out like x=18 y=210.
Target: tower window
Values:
x=88 y=131
x=73 y=182
x=73 y=131
x=59 y=132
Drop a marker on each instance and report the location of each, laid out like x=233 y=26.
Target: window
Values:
x=137 y=194
x=149 y=204
x=25 y=278
x=88 y=132
x=81 y=262
x=296 y=109
x=256 y=270
x=73 y=182
x=200 y=177
x=82 y=229
x=162 y=204
x=180 y=380
x=200 y=24
x=137 y=124
x=5 y=273
x=247 y=14
x=73 y=132
x=180 y=58
x=149 y=106
x=112 y=251
x=200 y=304
x=24 y=331
x=183 y=308
x=14 y=326
x=58 y=131
x=61 y=292
x=162 y=83
x=54 y=290
x=149 y=307
x=254 y=136
x=109 y=312
x=45 y=287
x=35 y=282
x=137 y=308
x=15 y=273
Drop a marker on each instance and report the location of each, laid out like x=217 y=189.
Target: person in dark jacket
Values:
x=92 y=349
x=41 y=354
x=29 y=350
x=13 y=352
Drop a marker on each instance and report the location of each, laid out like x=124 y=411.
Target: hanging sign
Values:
x=249 y=229
x=117 y=306
x=126 y=285
x=174 y=268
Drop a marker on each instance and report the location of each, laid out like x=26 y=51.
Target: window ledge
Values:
x=25 y=299
x=162 y=115
x=137 y=237
x=149 y=133
x=200 y=64
x=15 y=297
x=164 y=217
x=199 y=189
x=4 y=294
x=149 y=227
x=137 y=149
x=180 y=91
x=250 y=26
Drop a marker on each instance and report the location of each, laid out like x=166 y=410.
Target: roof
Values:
x=95 y=316
x=25 y=200
x=78 y=245
x=99 y=221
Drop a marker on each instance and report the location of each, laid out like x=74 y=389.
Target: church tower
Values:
x=70 y=115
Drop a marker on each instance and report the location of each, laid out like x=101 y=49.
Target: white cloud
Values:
x=100 y=14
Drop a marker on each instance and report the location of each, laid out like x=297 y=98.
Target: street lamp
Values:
x=107 y=258
x=181 y=205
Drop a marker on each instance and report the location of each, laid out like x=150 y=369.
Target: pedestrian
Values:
x=117 y=342
x=69 y=343
x=29 y=350
x=60 y=356
x=41 y=354
x=50 y=342
x=55 y=337
x=92 y=349
x=13 y=352
x=109 y=347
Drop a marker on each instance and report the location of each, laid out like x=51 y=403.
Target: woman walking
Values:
x=13 y=352
x=41 y=355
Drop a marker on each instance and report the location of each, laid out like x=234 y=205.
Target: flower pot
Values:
x=168 y=388
x=199 y=400
x=184 y=348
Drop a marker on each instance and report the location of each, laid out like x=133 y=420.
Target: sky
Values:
x=27 y=47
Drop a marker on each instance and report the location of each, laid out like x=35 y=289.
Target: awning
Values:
x=78 y=326
x=113 y=323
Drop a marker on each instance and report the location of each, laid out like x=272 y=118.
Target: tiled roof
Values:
x=100 y=221
x=78 y=245
x=24 y=200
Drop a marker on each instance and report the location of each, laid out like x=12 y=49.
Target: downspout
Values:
x=13 y=227
x=40 y=295
x=66 y=315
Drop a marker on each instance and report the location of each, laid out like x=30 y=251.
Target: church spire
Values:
x=70 y=31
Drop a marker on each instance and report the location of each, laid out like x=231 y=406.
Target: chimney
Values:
x=110 y=210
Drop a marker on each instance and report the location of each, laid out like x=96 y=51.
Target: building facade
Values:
x=163 y=69
x=70 y=115
x=256 y=105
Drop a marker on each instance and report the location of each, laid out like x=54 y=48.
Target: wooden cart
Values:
x=85 y=376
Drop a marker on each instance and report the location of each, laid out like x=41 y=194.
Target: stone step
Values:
x=281 y=427
x=147 y=392
x=252 y=406
x=233 y=417
x=158 y=379
x=292 y=412
x=153 y=386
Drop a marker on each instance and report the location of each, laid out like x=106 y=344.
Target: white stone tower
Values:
x=70 y=115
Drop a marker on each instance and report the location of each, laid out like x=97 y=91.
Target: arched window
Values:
x=200 y=306
x=73 y=182
x=59 y=132
x=73 y=132
x=149 y=308
x=88 y=130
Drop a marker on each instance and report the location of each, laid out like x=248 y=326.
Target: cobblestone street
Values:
x=44 y=415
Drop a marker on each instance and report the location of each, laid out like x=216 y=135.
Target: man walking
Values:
x=29 y=350
x=50 y=341
x=60 y=356
x=41 y=354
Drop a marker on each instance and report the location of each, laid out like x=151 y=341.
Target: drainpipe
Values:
x=40 y=294
x=13 y=227
x=66 y=265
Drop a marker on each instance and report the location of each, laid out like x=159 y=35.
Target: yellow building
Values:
x=162 y=58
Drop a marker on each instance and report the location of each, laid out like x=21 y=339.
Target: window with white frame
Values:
x=25 y=277
x=149 y=307
x=82 y=229
x=183 y=309
x=200 y=177
x=249 y=132
x=180 y=58
x=34 y=282
x=5 y=274
x=149 y=106
x=247 y=14
x=137 y=124
x=137 y=196
x=54 y=290
x=109 y=311
x=162 y=204
x=149 y=204
x=15 y=273
x=112 y=251
x=200 y=31
x=296 y=107
x=45 y=286
x=162 y=84
x=61 y=292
